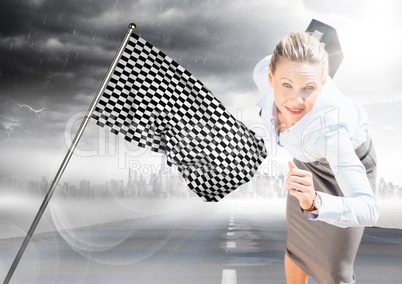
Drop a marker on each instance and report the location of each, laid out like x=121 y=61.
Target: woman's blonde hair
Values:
x=300 y=47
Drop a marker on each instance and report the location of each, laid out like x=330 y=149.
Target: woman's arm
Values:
x=358 y=207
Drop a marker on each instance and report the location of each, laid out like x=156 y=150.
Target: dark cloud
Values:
x=57 y=49
x=49 y=49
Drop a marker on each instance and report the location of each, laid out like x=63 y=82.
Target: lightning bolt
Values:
x=10 y=122
x=33 y=110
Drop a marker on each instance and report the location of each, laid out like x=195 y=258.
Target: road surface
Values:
x=228 y=242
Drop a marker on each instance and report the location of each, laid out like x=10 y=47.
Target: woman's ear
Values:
x=270 y=77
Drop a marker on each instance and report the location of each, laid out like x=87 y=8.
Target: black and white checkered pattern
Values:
x=156 y=102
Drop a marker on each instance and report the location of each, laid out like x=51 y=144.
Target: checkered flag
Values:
x=157 y=103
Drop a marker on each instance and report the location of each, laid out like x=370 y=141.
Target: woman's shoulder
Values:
x=260 y=76
x=338 y=113
x=262 y=65
x=332 y=102
x=331 y=96
x=260 y=72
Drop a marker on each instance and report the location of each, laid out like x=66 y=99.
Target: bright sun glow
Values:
x=372 y=34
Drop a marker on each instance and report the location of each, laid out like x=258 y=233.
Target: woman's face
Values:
x=296 y=87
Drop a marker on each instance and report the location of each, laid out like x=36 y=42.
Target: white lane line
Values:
x=231 y=224
x=229 y=276
x=230 y=244
x=230 y=234
x=231 y=228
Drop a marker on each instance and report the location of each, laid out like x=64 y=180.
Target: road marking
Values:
x=231 y=224
x=229 y=276
x=230 y=234
x=231 y=228
x=230 y=244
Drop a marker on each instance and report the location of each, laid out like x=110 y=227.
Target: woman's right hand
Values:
x=300 y=185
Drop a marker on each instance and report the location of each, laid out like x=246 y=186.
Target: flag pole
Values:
x=131 y=28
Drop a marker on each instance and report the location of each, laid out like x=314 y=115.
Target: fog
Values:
x=62 y=214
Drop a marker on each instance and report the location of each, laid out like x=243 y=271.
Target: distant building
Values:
x=84 y=188
x=44 y=185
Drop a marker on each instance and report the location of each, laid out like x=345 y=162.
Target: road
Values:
x=227 y=242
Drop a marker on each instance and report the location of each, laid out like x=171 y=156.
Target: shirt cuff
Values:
x=330 y=210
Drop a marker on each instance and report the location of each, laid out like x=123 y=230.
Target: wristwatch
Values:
x=317 y=202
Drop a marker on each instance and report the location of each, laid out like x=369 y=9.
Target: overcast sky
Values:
x=54 y=54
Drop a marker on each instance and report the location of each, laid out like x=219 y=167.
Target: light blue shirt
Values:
x=333 y=129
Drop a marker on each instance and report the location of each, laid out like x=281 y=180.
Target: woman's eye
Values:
x=287 y=85
x=309 y=88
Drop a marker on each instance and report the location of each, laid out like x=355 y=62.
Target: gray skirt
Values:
x=323 y=251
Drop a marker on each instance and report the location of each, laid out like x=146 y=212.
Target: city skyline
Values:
x=162 y=183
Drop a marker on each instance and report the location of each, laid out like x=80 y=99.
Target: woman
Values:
x=331 y=179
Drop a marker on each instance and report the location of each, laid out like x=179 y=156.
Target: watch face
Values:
x=317 y=202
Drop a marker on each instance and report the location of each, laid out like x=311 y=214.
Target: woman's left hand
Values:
x=300 y=185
